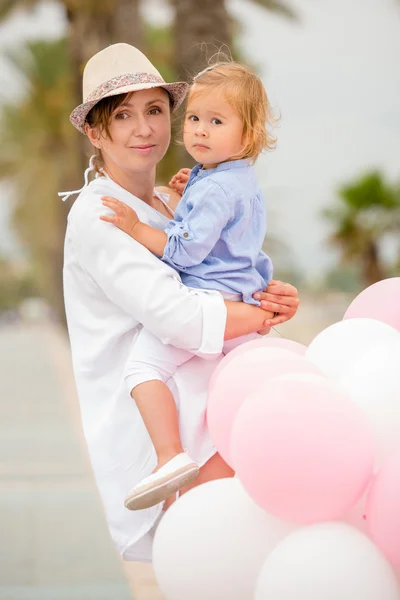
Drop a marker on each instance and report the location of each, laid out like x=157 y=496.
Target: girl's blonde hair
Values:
x=246 y=94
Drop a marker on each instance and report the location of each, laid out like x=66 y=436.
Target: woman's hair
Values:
x=246 y=94
x=99 y=117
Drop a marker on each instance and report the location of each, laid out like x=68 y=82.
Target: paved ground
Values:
x=54 y=543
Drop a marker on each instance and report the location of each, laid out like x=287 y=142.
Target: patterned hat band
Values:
x=131 y=82
x=121 y=81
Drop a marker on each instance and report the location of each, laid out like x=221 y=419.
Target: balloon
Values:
x=261 y=342
x=379 y=301
x=340 y=344
x=373 y=382
x=356 y=515
x=240 y=378
x=383 y=514
x=328 y=561
x=212 y=543
x=302 y=449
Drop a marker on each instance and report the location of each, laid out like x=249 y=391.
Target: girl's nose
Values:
x=201 y=131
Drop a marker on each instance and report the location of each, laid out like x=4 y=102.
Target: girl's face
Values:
x=140 y=132
x=213 y=130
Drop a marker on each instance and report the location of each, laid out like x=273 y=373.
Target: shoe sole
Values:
x=167 y=486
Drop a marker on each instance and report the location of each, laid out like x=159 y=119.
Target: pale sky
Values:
x=335 y=78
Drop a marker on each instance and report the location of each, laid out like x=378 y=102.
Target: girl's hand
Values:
x=280 y=298
x=179 y=181
x=125 y=217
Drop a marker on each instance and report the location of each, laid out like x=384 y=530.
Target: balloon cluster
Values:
x=313 y=435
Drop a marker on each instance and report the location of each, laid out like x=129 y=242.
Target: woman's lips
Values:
x=143 y=149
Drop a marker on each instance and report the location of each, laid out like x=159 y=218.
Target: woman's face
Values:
x=140 y=132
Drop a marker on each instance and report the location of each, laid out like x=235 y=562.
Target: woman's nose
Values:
x=142 y=128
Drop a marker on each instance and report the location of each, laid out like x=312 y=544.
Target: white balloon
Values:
x=373 y=381
x=327 y=561
x=212 y=543
x=342 y=343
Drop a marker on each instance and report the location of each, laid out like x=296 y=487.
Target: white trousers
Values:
x=149 y=359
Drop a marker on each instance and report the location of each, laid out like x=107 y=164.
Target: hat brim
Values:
x=177 y=92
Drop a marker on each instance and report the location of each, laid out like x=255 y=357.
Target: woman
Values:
x=113 y=286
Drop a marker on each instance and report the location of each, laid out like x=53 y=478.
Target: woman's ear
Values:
x=93 y=136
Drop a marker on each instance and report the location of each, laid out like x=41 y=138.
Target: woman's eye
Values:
x=121 y=116
x=216 y=122
x=155 y=111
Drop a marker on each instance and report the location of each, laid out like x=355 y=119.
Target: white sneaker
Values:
x=157 y=487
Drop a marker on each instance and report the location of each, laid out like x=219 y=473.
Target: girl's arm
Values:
x=149 y=290
x=187 y=242
x=126 y=219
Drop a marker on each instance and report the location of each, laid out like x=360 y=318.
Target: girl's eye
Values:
x=193 y=118
x=216 y=122
x=155 y=111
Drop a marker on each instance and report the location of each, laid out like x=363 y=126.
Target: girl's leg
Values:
x=215 y=468
x=150 y=364
x=158 y=410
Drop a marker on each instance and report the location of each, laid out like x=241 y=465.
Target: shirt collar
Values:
x=198 y=171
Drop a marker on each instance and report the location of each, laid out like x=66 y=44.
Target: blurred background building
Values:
x=332 y=189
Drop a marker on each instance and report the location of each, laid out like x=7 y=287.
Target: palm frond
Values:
x=278 y=7
x=7 y=7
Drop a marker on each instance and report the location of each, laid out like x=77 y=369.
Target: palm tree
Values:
x=44 y=153
x=204 y=30
x=92 y=25
x=369 y=211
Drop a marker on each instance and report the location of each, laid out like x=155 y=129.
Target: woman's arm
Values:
x=242 y=319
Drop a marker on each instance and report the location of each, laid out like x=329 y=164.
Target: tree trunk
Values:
x=372 y=267
x=200 y=32
x=127 y=24
x=92 y=26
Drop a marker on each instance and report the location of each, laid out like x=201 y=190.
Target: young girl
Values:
x=214 y=241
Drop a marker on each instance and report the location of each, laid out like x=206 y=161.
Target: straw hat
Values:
x=120 y=69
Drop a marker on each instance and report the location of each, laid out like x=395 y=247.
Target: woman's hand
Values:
x=280 y=298
x=125 y=217
x=179 y=181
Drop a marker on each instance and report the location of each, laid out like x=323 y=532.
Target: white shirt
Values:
x=112 y=287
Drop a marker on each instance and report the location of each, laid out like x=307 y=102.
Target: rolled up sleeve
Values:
x=196 y=230
x=149 y=290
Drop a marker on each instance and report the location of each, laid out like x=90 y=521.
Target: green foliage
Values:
x=15 y=286
x=38 y=155
x=369 y=210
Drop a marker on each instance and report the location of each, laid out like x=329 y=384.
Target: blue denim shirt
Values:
x=219 y=226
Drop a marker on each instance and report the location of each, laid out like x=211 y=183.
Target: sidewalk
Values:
x=54 y=540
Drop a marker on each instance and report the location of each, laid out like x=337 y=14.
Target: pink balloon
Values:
x=242 y=376
x=262 y=342
x=302 y=449
x=383 y=509
x=380 y=301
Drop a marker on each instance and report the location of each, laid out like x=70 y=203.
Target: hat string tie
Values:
x=65 y=195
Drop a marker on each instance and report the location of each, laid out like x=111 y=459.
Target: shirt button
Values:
x=186 y=235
